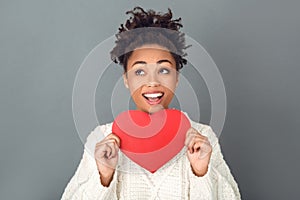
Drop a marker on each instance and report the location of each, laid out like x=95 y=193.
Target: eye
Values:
x=164 y=71
x=139 y=72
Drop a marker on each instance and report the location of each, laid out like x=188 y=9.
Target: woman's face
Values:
x=151 y=77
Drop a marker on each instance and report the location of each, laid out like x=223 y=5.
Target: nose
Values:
x=153 y=84
x=153 y=80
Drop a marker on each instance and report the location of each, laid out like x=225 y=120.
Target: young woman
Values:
x=151 y=50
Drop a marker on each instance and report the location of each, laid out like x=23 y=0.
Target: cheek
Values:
x=136 y=96
x=135 y=84
x=169 y=83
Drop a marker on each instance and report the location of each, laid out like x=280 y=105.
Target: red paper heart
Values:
x=151 y=140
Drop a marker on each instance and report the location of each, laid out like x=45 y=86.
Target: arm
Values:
x=86 y=183
x=217 y=183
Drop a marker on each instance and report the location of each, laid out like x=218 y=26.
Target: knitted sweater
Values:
x=175 y=180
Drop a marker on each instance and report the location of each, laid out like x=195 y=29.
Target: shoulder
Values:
x=100 y=131
x=97 y=135
x=205 y=130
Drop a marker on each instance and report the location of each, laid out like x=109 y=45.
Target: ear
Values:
x=125 y=80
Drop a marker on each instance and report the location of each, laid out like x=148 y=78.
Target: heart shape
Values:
x=151 y=140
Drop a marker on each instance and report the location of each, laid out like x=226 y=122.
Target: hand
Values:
x=106 y=155
x=199 y=151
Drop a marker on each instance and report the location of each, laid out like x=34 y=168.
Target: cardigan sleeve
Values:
x=85 y=184
x=218 y=182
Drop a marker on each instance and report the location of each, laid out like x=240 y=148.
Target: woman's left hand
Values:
x=199 y=151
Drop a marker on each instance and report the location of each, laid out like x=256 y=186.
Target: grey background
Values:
x=255 y=44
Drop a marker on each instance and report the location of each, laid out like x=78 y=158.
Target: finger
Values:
x=104 y=142
x=200 y=144
x=205 y=150
x=190 y=143
x=190 y=136
x=207 y=146
x=197 y=145
x=114 y=150
x=193 y=142
x=188 y=139
x=110 y=138
x=110 y=143
x=202 y=147
x=103 y=149
x=106 y=149
x=192 y=133
x=102 y=152
x=115 y=138
x=196 y=142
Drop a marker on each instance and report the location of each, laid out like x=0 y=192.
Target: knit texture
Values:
x=175 y=180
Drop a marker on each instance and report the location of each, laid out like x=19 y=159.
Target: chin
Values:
x=152 y=108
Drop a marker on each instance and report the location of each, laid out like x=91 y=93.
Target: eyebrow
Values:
x=158 y=62
x=162 y=61
x=138 y=62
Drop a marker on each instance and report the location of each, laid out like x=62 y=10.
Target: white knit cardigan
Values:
x=175 y=180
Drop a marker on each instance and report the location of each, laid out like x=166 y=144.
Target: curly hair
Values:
x=149 y=28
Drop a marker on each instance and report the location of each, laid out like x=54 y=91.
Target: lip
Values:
x=153 y=102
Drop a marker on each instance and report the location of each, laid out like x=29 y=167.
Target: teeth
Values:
x=153 y=95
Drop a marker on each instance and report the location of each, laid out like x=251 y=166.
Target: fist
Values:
x=106 y=155
x=198 y=151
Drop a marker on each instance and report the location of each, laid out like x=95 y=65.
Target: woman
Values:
x=151 y=50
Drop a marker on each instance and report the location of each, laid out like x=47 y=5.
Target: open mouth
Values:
x=153 y=97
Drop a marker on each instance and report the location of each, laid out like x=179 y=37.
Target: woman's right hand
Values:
x=106 y=155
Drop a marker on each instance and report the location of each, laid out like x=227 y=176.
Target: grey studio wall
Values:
x=255 y=44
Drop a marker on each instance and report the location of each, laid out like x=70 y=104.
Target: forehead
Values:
x=151 y=53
